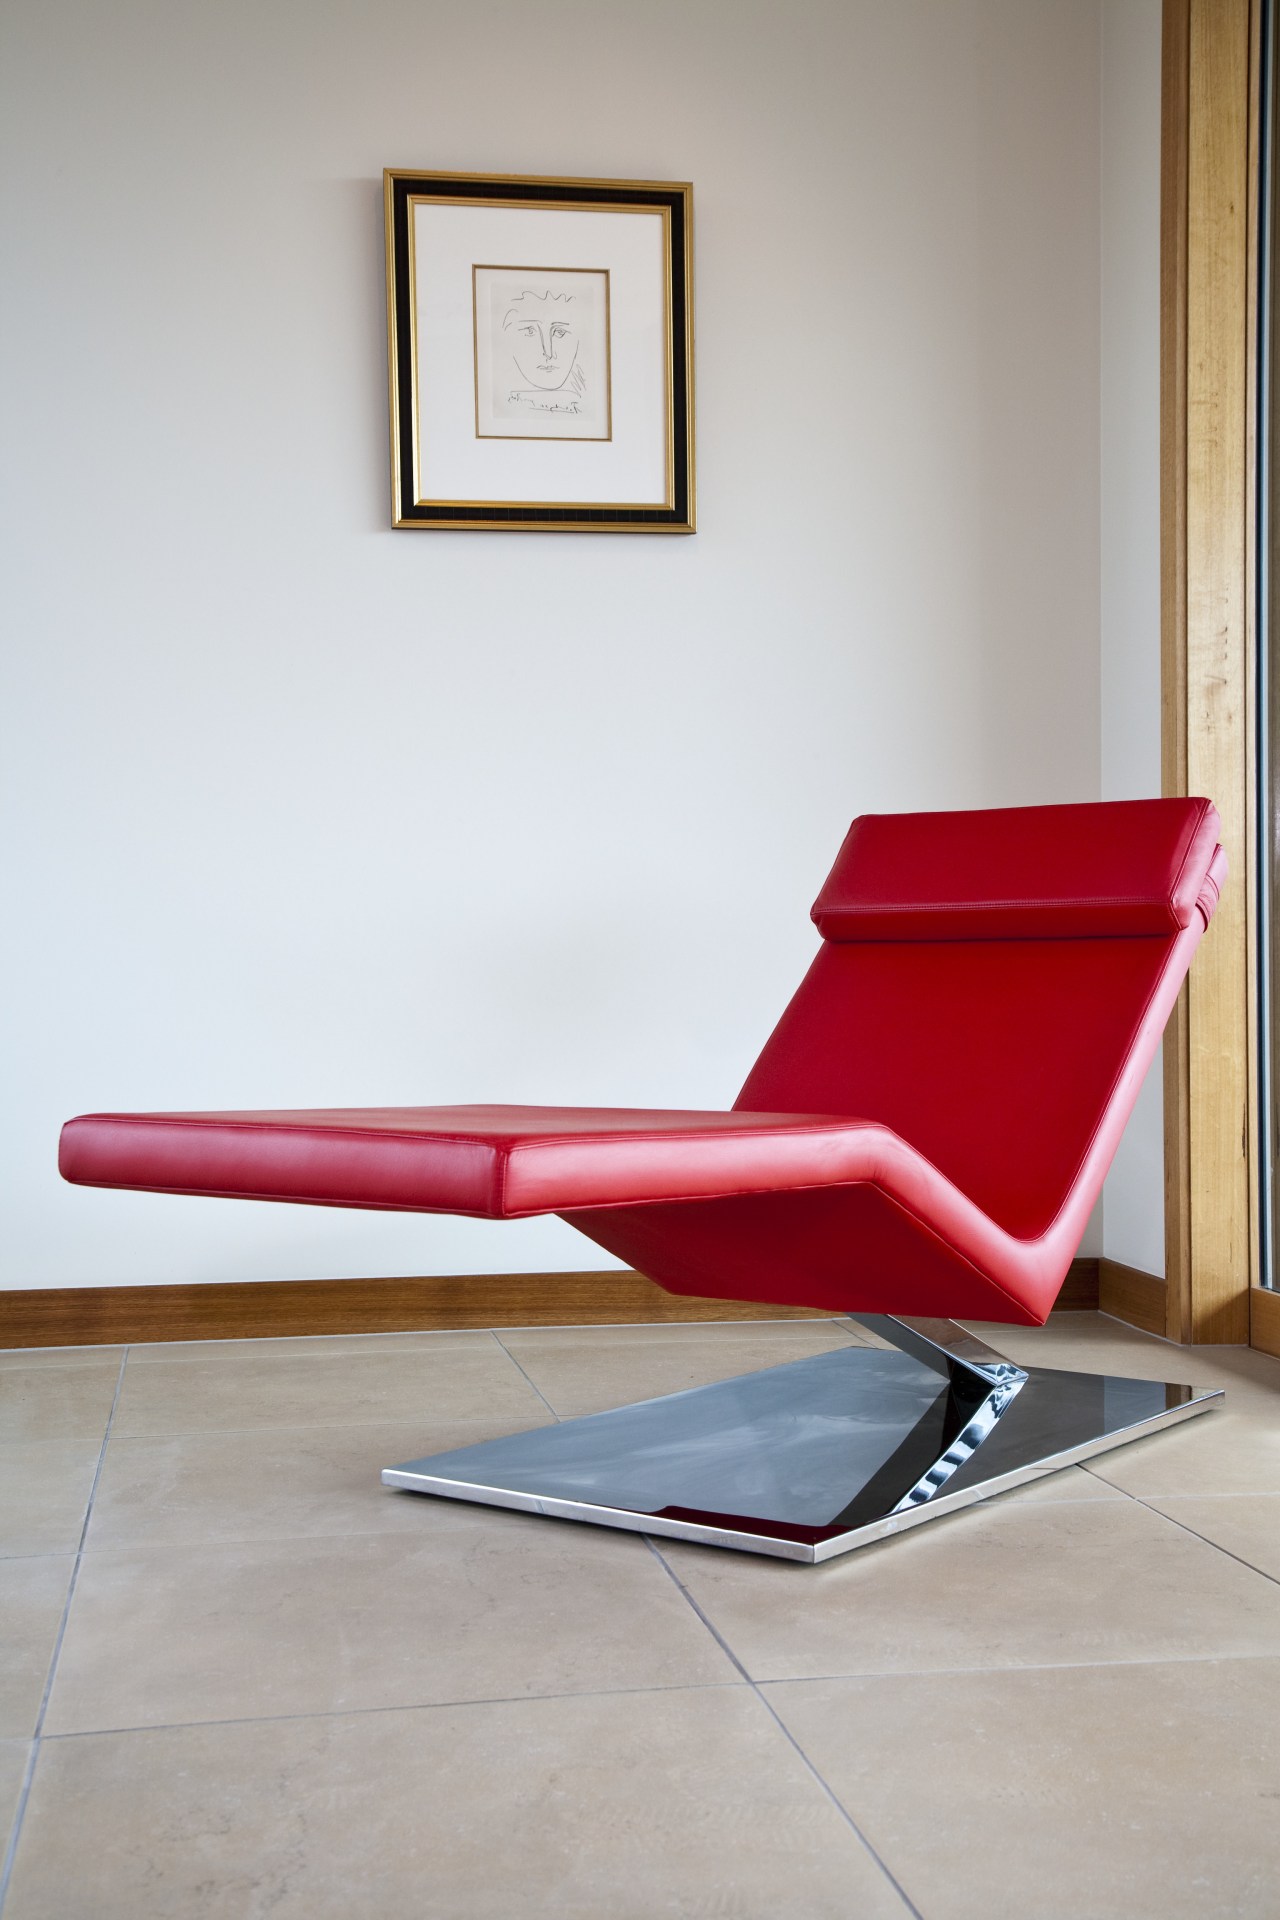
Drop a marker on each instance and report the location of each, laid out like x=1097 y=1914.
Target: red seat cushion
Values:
x=496 y=1161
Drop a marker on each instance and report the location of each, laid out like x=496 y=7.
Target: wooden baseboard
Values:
x=248 y=1309
x=1141 y=1299
x=1264 y=1319
x=1080 y=1288
x=1128 y=1294
x=253 y=1309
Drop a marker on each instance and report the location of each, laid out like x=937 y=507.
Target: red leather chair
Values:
x=923 y=1136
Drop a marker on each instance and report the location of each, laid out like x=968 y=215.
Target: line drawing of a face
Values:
x=542 y=331
x=541 y=352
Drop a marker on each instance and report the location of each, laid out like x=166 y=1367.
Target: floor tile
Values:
x=1235 y=1449
x=57 y=1403
x=60 y=1356
x=1069 y=1483
x=32 y=1596
x=707 y=1333
x=1090 y=1343
x=507 y=1606
x=44 y=1491
x=1089 y=1793
x=259 y=1391
x=1020 y=1584
x=682 y=1803
x=268 y=1484
x=308 y=1347
x=1247 y=1525
x=13 y=1771
x=1245 y=1367
x=1099 y=1329
x=578 y=1375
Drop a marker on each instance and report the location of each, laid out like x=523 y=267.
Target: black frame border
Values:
x=677 y=199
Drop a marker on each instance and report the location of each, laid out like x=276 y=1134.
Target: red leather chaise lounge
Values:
x=923 y=1137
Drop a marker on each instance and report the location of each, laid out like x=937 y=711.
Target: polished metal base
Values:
x=816 y=1457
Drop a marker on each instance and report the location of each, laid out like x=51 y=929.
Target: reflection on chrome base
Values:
x=816 y=1457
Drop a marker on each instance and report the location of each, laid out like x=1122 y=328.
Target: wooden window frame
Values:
x=1211 y=64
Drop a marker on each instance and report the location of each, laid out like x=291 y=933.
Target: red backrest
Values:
x=984 y=980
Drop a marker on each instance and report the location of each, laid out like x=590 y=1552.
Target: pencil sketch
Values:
x=541 y=331
x=541 y=353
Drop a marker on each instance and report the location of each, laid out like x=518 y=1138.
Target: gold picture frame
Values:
x=540 y=353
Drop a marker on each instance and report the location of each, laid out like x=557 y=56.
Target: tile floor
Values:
x=239 y=1678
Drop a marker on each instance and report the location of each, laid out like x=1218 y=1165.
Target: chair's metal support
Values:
x=811 y=1459
x=981 y=1384
x=942 y=1345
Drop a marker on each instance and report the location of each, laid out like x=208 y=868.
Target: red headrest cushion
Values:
x=1111 y=867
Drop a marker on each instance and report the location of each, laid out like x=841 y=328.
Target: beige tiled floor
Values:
x=279 y=1689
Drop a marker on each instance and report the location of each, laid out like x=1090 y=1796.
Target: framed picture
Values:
x=540 y=341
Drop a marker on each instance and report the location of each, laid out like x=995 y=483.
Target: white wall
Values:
x=311 y=812
x=1134 y=1196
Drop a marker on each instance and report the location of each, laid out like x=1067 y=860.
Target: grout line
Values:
x=1230 y=1346
x=1145 y=1332
x=839 y=1805
x=19 y=1559
x=1023 y=1666
x=533 y=1383
x=674 y=1326
x=786 y=1732
x=414 y=1420
x=1150 y=1508
x=1251 y=1493
x=214 y=1352
x=409 y=1535
x=24 y=1794
x=681 y=1588
x=612 y=1693
x=399 y=1706
x=1215 y=1544
x=162 y=1434
x=20 y=1810
x=1087 y=1466
x=230 y=1346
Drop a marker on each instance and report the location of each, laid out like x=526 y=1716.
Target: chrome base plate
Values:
x=803 y=1461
